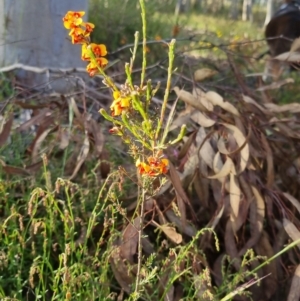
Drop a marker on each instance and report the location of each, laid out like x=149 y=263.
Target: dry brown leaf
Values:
x=202 y=120
x=294 y=294
x=64 y=138
x=217 y=100
x=35 y=120
x=130 y=239
x=225 y=170
x=291 y=107
x=286 y=130
x=242 y=143
x=13 y=170
x=81 y=156
x=29 y=106
x=250 y=100
x=188 y=229
x=218 y=269
x=270 y=163
x=170 y=232
x=48 y=123
x=200 y=96
x=38 y=143
x=235 y=196
x=276 y=85
x=217 y=163
x=182 y=118
x=222 y=147
x=293 y=200
x=96 y=131
x=230 y=245
x=73 y=106
x=295 y=45
x=201 y=185
x=291 y=230
x=188 y=143
x=207 y=152
x=264 y=248
x=121 y=271
x=292 y=57
x=216 y=218
x=204 y=73
x=257 y=215
x=5 y=129
x=181 y=196
x=34 y=167
x=259 y=210
x=189 y=99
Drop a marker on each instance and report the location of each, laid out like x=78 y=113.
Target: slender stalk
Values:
x=144 y=30
x=168 y=87
x=107 y=79
x=140 y=233
x=136 y=42
x=135 y=100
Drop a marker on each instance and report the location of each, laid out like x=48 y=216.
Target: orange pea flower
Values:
x=120 y=103
x=85 y=54
x=98 y=51
x=78 y=36
x=73 y=19
x=161 y=165
x=88 y=27
x=92 y=67
x=80 y=32
x=155 y=167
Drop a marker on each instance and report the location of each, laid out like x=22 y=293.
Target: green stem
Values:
x=109 y=118
x=136 y=42
x=144 y=64
x=136 y=102
x=168 y=87
x=107 y=79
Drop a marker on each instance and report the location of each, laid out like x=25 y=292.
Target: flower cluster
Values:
x=120 y=103
x=155 y=166
x=125 y=99
x=80 y=33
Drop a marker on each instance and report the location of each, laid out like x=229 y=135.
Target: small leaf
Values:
x=202 y=120
x=217 y=100
x=170 y=232
x=241 y=141
x=291 y=230
x=189 y=99
x=226 y=169
x=204 y=73
x=235 y=196
x=5 y=129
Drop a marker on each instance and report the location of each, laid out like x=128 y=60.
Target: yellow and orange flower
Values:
x=73 y=19
x=155 y=167
x=98 y=50
x=92 y=67
x=120 y=103
x=89 y=27
x=80 y=32
x=78 y=36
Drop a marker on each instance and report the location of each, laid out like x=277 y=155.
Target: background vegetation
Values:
x=68 y=189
